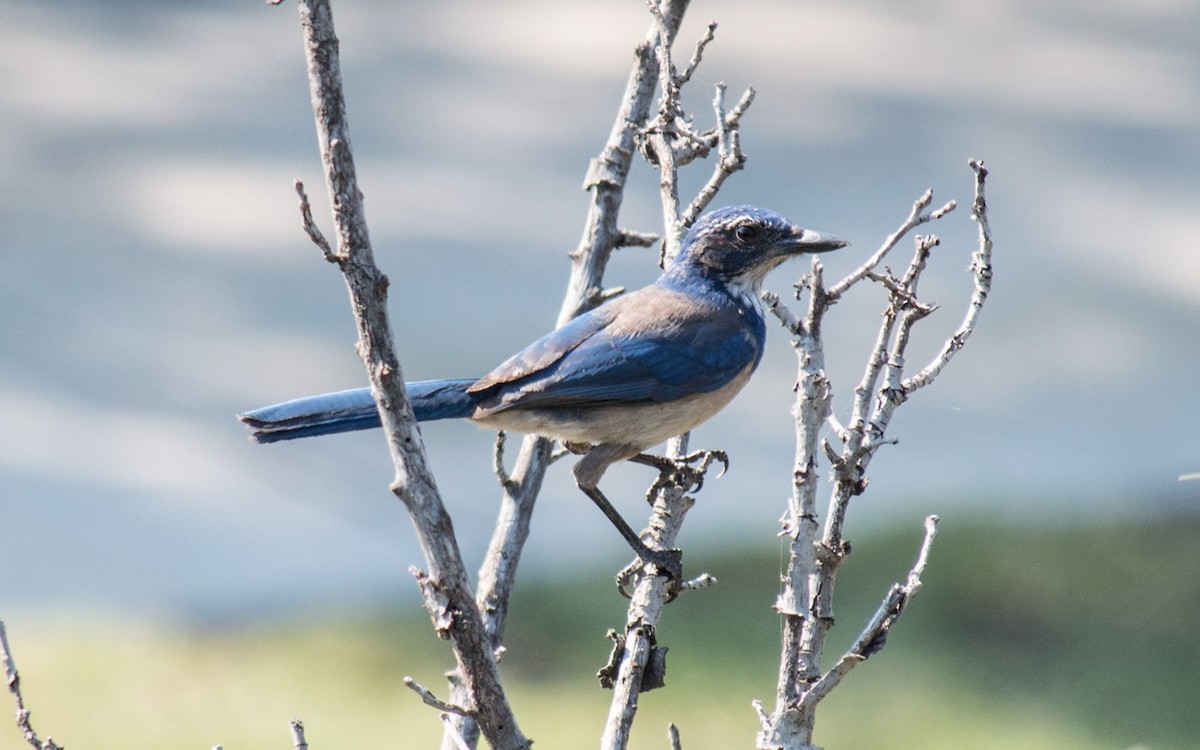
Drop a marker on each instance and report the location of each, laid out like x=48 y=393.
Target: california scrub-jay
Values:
x=617 y=379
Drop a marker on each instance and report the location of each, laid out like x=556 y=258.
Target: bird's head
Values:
x=739 y=245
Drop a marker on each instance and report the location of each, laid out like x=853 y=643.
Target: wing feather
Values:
x=651 y=345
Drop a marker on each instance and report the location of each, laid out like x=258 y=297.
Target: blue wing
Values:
x=655 y=344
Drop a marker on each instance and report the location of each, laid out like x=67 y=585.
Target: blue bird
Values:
x=617 y=379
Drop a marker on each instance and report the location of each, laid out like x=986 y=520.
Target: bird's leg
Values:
x=679 y=471
x=587 y=475
x=668 y=562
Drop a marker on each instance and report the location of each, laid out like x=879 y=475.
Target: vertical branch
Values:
x=640 y=664
x=662 y=133
x=605 y=180
x=445 y=588
x=670 y=142
x=637 y=663
x=799 y=663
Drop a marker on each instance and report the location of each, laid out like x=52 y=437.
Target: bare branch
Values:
x=13 y=681
x=670 y=142
x=640 y=655
x=702 y=581
x=776 y=307
x=873 y=636
x=981 y=268
x=605 y=180
x=699 y=145
x=502 y=475
x=698 y=53
x=630 y=238
x=915 y=218
x=743 y=104
x=607 y=294
x=730 y=159
x=637 y=663
x=807 y=594
x=432 y=700
x=310 y=226
x=452 y=734
x=298 y=741
x=445 y=588
x=559 y=452
x=673 y=737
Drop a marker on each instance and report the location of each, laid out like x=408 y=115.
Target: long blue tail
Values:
x=346 y=411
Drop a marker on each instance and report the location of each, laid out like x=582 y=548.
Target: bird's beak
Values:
x=808 y=241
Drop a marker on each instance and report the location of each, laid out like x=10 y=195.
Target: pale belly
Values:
x=637 y=425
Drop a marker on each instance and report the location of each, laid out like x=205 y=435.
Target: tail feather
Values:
x=346 y=411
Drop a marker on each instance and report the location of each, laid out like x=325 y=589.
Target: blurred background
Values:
x=163 y=580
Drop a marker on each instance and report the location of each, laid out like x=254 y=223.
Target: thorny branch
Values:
x=806 y=600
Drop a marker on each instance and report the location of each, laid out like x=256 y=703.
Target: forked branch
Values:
x=816 y=549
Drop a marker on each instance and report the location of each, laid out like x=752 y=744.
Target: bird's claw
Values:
x=679 y=472
x=667 y=563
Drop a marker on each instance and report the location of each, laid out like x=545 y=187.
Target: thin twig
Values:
x=698 y=53
x=981 y=268
x=502 y=475
x=730 y=159
x=873 y=636
x=630 y=238
x=702 y=581
x=432 y=700
x=310 y=226
x=13 y=680
x=452 y=733
x=776 y=307
x=915 y=218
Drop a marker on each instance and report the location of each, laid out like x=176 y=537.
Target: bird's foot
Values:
x=667 y=563
x=679 y=472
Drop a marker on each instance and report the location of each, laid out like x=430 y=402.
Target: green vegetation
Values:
x=1021 y=639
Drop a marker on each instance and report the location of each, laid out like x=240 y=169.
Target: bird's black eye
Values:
x=746 y=233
